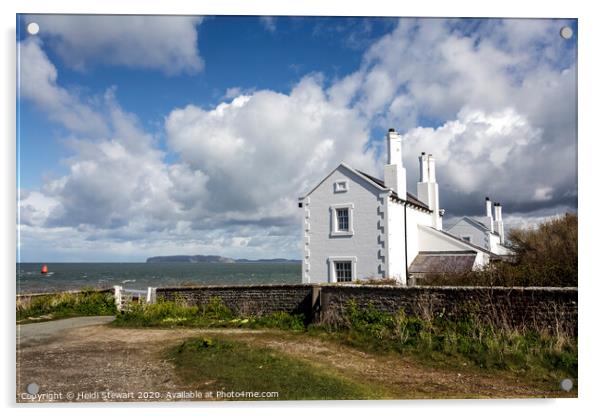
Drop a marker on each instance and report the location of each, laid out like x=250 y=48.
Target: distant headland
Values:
x=212 y=259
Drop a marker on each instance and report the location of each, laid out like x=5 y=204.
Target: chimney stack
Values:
x=488 y=213
x=395 y=173
x=428 y=190
x=499 y=224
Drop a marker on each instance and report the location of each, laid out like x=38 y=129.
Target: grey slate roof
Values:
x=443 y=262
x=411 y=199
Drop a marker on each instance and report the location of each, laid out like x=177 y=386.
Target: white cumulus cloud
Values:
x=166 y=43
x=38 y=82
x=495 y=106
x=261 y=151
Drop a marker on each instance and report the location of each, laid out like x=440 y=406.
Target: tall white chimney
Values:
x=499 y=224
x=428 y=190
x=488 y=214
x=395 y=173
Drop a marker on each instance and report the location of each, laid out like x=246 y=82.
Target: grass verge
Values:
x=234 y=369
x=64 y=305
x=542 y=356
x=459 y=341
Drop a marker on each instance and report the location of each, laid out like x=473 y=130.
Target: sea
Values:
x=77 y=276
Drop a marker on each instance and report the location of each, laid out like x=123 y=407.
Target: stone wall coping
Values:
x=458 y=288
x=258 y=286
x=362 y=286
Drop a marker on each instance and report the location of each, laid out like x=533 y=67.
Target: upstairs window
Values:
x=343 y=219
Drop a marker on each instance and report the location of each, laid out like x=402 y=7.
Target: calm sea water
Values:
x=73 y=276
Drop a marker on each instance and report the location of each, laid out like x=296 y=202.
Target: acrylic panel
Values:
x=330 y=208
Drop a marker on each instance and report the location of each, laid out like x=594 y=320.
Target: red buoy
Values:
x=44 y=269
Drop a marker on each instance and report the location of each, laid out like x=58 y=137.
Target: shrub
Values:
x=216 y=309
x=548 y=252
x=544 y=256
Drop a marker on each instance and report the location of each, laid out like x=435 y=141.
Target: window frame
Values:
x=342 y=218
x=341 y=186
x=334 y=230
x=332 y=262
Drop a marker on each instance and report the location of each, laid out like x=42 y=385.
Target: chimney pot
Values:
x=487 y=198
x=395 y=173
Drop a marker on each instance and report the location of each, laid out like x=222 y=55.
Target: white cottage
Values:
x=356 y=226
x=488 y=233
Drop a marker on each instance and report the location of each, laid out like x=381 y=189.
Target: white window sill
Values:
x=341 y=233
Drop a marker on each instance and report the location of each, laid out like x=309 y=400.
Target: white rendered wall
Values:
x=396 y=266
x=415 y=218
x=477 y=236
x=481 y=261
x=433 y=240
x=367 y=244
x=497 y=247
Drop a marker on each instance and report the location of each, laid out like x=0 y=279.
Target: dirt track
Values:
x=70 y=359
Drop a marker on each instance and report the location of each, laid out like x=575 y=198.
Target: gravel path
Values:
x=82 y=356
x=38 y=332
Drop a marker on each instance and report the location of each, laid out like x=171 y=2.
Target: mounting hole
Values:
x=566 y=384
x=33 y=28
x=566 y=32
x=33 y=388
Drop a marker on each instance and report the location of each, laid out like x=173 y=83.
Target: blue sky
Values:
x=143 y=136
x=271 y=60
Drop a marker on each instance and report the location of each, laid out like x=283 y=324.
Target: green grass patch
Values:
x=447 y=341
x=63 y=305
x=211 y=364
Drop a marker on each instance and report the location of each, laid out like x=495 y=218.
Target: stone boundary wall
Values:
x=517 y=307
x=246 y=300
x=532 y=307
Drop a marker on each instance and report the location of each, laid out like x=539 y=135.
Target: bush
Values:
x=544 y=256
x=549 y=252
